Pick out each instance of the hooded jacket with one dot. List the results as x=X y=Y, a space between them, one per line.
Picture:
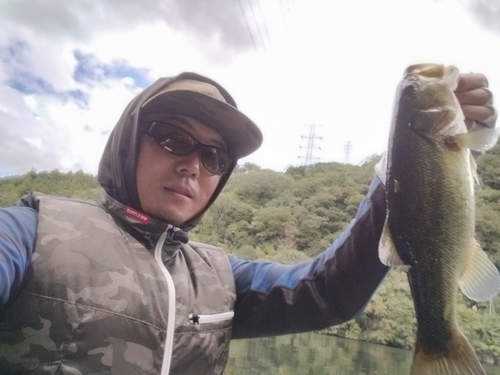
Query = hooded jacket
x=117 y=169
x=111 y=290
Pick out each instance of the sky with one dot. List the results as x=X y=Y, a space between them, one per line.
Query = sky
x=318 y=77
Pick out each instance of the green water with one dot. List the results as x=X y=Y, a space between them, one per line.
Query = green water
x=315 y=354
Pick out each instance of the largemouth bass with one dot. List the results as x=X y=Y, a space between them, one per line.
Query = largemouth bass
x=430 y=225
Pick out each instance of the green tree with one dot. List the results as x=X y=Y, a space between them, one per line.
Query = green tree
x=274 y=224
x=259 y=187
x=489 y=168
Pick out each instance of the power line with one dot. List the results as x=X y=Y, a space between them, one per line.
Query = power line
x=283 y=13
x=264 y=21
x=247 y=25
x=257 y=26
x=310 y=145
x=347 y=152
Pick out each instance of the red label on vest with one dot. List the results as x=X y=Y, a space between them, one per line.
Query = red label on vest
x=137 y=215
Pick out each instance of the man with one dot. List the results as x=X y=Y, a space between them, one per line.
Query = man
x=115 y=287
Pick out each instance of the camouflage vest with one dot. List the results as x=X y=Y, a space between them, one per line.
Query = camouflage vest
x=95 y=301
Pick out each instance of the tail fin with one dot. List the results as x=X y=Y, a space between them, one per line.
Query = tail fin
x=458 y=359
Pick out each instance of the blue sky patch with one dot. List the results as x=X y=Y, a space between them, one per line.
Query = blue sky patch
x=23 y=80
x=90 y=70
x=14 y=51
x=28 y=83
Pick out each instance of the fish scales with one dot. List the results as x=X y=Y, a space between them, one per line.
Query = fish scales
x=430 y=225
x=430 y=209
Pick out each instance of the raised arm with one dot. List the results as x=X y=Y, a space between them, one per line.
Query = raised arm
x=274 y=299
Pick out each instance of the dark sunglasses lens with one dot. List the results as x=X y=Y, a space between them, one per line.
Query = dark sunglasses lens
x=173 y=139
x=216 y=160
x=179 y=142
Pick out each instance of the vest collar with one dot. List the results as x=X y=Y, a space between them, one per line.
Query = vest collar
x=143 y=228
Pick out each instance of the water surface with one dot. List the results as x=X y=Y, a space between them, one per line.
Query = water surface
x=315 y=354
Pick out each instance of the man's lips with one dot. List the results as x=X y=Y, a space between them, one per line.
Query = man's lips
x=180 y=190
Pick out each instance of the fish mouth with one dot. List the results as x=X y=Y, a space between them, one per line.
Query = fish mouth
x=427 y=70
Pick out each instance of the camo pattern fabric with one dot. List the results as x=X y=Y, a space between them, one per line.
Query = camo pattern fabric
x=96 y=302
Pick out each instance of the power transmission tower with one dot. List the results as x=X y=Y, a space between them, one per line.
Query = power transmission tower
x=347 y=152
x=310 y=145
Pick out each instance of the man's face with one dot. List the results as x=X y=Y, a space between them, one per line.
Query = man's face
x=175 y=187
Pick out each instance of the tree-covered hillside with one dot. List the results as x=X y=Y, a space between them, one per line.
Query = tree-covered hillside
x=72 y=185
x=292 y=216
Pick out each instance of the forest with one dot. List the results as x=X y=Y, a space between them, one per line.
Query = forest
x=292 y=216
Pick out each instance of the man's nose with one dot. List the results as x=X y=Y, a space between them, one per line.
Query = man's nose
x=190 y=164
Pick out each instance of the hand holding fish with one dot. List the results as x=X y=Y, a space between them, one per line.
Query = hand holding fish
x=476 y=101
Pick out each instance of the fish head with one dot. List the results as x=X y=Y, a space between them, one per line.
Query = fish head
x=450 y=74
x=428 y=102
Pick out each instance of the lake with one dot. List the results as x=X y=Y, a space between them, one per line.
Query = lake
x=315 y=354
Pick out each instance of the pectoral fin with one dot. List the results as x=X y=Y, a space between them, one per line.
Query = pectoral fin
x=479 y=140
x=387 y=250
x=480 y=279
x=473 y=168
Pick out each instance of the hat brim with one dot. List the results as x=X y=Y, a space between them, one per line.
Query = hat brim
x=241 y=135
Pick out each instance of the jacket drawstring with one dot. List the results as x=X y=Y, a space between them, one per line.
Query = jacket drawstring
x=167 y=237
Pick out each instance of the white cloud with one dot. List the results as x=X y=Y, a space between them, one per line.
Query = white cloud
x=287 y=64
x=25 y=140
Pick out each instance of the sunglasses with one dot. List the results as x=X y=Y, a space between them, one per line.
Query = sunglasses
x=179 y=142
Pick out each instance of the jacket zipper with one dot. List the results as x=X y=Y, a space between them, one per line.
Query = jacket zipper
x=210 y=318
x=169 y=341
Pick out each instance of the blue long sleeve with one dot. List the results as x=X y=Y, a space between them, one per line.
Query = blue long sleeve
x=274 y=299
x=17 y=238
